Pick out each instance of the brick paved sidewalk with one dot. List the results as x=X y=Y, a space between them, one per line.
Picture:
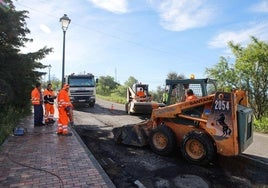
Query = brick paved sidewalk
x=41 y=158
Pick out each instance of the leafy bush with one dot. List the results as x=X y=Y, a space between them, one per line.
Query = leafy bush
x=113 y=98
x=9 y=118
x=261 y=125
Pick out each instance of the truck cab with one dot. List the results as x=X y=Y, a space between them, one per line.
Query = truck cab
x=82 y=89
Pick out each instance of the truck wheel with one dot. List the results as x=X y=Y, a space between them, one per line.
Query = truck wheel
x=91 y=105
x=162 y=140
x=197 y=148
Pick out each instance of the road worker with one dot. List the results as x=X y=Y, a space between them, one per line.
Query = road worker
x=165 y=97
x=37 y=102
x=185 y=89
x=140 y=93
x=65 y=106
x=190 y=95
x=49 y=97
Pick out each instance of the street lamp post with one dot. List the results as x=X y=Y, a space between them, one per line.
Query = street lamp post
x=49 y=67
x=65 y=21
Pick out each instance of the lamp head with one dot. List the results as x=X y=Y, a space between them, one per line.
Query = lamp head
x=65 y=21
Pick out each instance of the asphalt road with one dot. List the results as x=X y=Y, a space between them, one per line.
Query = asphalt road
x=140 y=167
x=259 y=148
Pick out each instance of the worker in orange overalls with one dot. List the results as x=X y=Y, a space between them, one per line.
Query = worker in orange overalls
x=49 y=97
x=140 y=93
x=65 y=106
x=37 y=102
x=190 y=95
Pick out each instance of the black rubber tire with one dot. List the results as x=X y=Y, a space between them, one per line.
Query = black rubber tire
x=198 y=148
x=162 y=140
x=126 y=107
x=91 y=105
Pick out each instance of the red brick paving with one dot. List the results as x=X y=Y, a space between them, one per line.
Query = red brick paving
x=41 y=158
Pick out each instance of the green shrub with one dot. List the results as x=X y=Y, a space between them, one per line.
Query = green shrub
x=113 y=98
x=9 y=118
x=261 y=125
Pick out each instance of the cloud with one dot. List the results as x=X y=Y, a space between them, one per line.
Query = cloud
x=115 y=6
x=241 y=36
x=45 y=28
x=260 y=7
x=180 y=15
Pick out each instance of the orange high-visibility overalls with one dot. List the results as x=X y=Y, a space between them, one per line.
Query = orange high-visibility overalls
x=37 y=102
x=49 y=97
x=191 y=97
x=63 y=103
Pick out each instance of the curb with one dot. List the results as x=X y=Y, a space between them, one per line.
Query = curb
x=94 y=161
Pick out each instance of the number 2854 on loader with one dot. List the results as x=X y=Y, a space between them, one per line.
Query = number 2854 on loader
x=216 y=122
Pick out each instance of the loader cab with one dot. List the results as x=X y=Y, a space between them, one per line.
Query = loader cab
x=141 y=88
x=177 y=89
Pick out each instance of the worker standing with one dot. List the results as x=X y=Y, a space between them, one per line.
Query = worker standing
x=49 y=97
x=37 y=102
x=190 y=95
x=185 y=89
x=65 y=106
x=165 y=97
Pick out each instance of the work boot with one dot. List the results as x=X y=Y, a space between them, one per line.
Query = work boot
x=68 y=134
x=72 y=124
x=39 y=124
x=51 y=121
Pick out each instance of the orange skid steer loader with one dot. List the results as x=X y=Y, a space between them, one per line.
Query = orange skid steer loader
x=215 y=122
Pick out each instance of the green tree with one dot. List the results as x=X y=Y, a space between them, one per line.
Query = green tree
x=157 y=95
x=120 y=91
x=224 y=73
x=131 y=80
x=119 y=94
x=175 y=76
x=172 y=76
x=106 y=85
x=18 y=72
x=249 y=72
x=13 y=27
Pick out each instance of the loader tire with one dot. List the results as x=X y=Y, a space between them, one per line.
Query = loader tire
x=127 y=108
x=162 y=140
x=198 y=148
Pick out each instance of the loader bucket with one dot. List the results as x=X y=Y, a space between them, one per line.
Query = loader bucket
x=146 y=107
x=133 y=135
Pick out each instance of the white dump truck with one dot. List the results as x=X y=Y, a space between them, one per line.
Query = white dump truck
x=82 y=89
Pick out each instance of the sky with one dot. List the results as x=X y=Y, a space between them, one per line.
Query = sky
x=145 y=39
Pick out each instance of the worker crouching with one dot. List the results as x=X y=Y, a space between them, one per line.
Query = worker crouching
x=65 y=111
x=49 y=97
